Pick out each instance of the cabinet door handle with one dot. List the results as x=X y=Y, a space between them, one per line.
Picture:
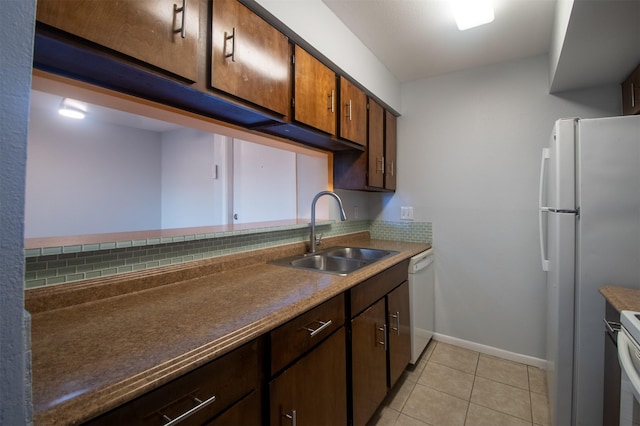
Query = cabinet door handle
x=331 y=97
x=293 y=417
x=633 y=96
x=186 y=414
x=381 y=168
x=231 y=37
x=384 y=334
x=183 y=29
x=323 y=325
x=391 y=168
x=396 y=316
x=349 y=110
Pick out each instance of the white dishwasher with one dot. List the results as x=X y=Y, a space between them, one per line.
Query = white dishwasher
x=421 y=293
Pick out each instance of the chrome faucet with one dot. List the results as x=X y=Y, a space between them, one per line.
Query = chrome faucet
x=343 y=216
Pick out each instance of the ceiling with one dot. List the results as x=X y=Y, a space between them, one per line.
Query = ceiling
x=417 y=39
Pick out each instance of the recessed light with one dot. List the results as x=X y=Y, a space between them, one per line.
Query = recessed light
x=472 y=13
x=72 y=108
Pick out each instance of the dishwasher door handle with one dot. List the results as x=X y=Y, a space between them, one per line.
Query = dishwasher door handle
x=612 y=326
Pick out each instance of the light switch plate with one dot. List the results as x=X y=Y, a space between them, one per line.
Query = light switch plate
x=406 y=213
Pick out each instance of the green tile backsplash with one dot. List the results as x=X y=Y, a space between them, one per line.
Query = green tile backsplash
x=56 y=265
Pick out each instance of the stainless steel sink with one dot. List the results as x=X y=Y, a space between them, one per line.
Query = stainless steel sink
x=358 y=253
x=335 y=260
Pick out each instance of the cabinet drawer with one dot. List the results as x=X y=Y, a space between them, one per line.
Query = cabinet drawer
x=245 y=412
x=368 y=292
x=228 y=379
x=294 y=338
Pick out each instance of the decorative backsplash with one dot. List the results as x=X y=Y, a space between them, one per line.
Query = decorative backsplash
x=56 y=265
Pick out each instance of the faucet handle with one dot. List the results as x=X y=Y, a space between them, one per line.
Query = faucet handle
x=318 y=239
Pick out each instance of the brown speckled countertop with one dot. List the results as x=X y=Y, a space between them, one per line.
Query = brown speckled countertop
x=100 y=343
x=623 y=299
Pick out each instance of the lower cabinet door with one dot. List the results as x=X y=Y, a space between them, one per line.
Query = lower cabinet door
x=369 y=362
x=245 y=412
x=399 y=333
x=313 y=391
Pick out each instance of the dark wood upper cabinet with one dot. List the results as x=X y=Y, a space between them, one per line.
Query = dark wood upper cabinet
x=250 y=59
x=398 y=304
x=353 y=112
x=376 y=145
x=631 y=93
x=162 y=33
x=375 y=168
x=390 y=150
x=314 y=92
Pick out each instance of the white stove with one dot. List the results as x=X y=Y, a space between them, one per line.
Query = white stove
x=629 y=357
x=631 y=322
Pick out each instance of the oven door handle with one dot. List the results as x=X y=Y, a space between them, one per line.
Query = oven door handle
x=624 y=346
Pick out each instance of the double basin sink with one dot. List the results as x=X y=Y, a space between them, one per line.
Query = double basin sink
x=335 y=260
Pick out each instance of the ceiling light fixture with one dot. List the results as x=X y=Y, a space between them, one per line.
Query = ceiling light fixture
x=472 y=13
x=72 y=108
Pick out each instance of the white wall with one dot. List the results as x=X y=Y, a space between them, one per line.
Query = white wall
x=312 y=175
x=469 y=148
x=317 y=25
x=86 y=176
x=560 y=24
x=264 y=183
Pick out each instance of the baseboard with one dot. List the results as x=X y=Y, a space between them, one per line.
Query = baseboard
x=490 y=350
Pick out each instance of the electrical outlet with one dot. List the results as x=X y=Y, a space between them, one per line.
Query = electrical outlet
x=406 y=213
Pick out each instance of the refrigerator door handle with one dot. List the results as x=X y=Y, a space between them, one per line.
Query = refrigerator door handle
x=543 y=209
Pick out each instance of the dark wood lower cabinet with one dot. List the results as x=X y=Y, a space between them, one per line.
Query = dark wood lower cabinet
x=229 y=379
x=314 y=389
x=246 y=412
x=369 y=362
x=399 y=333
x=612 y=371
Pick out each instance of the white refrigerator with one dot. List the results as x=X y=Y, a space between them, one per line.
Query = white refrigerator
x=589 y=237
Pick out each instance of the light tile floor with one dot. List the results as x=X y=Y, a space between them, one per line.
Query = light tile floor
x=454 y=386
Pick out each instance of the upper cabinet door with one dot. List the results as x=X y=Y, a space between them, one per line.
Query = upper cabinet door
x=315 y=92
x=250 y=58
x=376 y=145
x=353 y=113
x=162 y=33
x=631 y=93
x=390 y=145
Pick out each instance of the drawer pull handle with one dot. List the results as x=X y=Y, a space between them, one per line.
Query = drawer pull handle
x=323 y=325
x=293 y=417
x=181 y=417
